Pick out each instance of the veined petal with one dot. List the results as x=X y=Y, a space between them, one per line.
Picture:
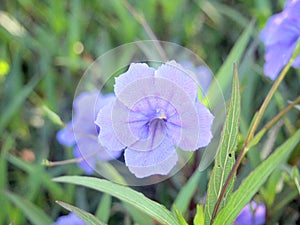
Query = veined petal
x=179 y=75
x=166 y=90
x=195 y=129
x=160 y=160
x=136 y=71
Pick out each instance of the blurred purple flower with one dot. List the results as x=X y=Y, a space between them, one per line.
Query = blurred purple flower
x=70 y=219
x=280 y=37
x=153 y=112
x=252 y=214
x=82 y=132
x=203 y=75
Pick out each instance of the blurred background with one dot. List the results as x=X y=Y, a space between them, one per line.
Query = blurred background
x=45 y=47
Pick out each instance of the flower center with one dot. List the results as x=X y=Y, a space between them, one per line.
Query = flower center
x=160 y=114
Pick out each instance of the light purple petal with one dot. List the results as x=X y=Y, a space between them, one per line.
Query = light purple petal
x=195 y=130
x=179 y=75
x=70 y=219
x=91 y=151
x=135 y=72
x=280 y=36
x=87 y=167
x=296 y=63
x=107 y=136
x=158 y=161
x=252 y=214
x=272 y=26
x=164 y=89
x=276 y=57
x=85 y=106
x=202 y=74
x=204 y=77
x=66 y=136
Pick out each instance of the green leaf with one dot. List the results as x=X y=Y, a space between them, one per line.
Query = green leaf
x=8 y=144
x=254 y=181
x=126 y=194
x=103 y=210
x=14 y=105
x=235 y=55
x=88 y=218
x=180 y=217
x=138 y=216
x=199 y=217
x=186 y=193
x=32 y=212
x=225 y=154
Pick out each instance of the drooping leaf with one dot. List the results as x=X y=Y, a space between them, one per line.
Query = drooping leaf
x=255 y=180
x=88 y=218
x=31 y=211
x=126 y=194
x=225 y=154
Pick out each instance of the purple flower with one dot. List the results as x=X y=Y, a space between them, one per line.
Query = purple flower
x=82 y=132
x=252 y=214
x=70 y=219
x=203 y=75
x=153 y=112
x=280 y=37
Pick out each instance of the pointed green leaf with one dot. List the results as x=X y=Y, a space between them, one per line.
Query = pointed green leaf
x=34 y=214
x=126 y=194
x=199 y=217
x=225 y=155
x=88 y=218
x=254 y=181
x=180 y=217
x=103 y=210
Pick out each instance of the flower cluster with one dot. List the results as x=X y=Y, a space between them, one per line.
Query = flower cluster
x=82 y=132
x=252 y=214
x=154 y=112
x=280 y=37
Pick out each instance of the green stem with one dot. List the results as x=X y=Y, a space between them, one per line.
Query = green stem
x=277 y=118
x=250 y=135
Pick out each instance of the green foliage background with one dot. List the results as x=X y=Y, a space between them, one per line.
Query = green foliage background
x=45 y=47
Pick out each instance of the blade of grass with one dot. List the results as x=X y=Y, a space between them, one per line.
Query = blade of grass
x=15 y=104
x=186 y=193
x=32 y=212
